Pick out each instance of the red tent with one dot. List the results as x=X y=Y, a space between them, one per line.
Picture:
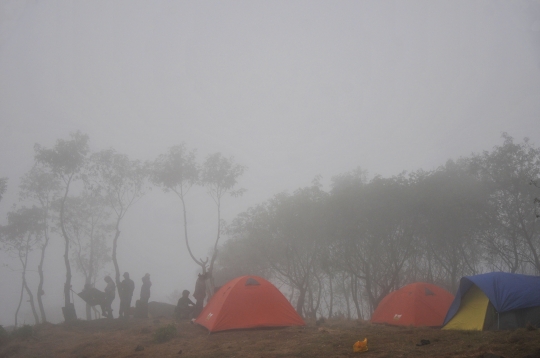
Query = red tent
x=417 y=304
x=248 y=302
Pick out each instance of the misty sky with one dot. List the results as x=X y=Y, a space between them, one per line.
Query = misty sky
x=291 y=89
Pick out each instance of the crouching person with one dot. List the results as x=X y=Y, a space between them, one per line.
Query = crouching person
x=184 y=308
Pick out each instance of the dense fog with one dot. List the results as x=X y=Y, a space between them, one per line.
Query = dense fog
x=338 y=128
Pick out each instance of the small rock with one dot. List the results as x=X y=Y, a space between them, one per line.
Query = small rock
x=179 y=352
x=139 y=348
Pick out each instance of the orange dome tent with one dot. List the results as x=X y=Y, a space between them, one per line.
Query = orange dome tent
x=248 y=302
x=417 y=304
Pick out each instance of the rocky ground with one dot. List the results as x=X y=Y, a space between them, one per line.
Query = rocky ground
x=165 y=337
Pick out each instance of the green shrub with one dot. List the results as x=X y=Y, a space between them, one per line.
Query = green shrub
x=165 y=333
x=24 y=332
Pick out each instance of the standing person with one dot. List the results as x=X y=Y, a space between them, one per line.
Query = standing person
x=199 y=294
x=127 y=286
x=106 y=308
x=145 y=296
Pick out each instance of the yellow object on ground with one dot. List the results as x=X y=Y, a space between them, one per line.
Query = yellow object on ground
x=360 y=346
x=472 y=311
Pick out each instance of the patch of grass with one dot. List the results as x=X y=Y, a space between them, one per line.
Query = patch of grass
x=24 y=332
x=109 y=339
x=165 y=333
x=11 y=350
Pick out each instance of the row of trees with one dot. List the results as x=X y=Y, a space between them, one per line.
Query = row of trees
x=83 y=197
x=336 y=251
x=344 y=250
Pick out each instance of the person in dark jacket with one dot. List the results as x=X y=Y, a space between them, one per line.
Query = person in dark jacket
x=145 y=288
x=106 y=308
x=199 y=294
x=142 y=303
x=127 y=286
x=185 y=306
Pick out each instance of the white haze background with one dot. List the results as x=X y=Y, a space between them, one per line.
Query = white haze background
x=291 y=89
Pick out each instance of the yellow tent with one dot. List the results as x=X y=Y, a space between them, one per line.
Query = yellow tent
x=495 y=300
x=472 y=312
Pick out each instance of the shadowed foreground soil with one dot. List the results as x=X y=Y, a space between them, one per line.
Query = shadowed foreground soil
x=135 y=338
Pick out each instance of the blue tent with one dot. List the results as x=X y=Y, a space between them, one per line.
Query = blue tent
x=501 y=300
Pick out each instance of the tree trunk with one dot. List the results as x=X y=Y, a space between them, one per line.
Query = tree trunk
x=31 y=300
x=184 y=216
x=67 y=284
x=515 y=253
x=40 y=291
x=319 y=294
x=348 y=306
x=20 y=301
x=354 y=294
x=206 y=276
x=69 y=309
x=291 y=296
x=87 y=283
x=115 y=261
x=309 y=310
x=371 y=297
x=300 y=302
x=211 y=283
x=330 y=311
x=89 y=276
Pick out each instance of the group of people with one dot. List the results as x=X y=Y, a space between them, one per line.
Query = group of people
x=125 y=290
x=185 y=309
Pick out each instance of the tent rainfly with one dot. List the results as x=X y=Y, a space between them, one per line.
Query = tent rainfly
x=416 y=304
x=495 y=300
x=248 y=302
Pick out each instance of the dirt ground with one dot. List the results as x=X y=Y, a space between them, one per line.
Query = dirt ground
x=137 y=338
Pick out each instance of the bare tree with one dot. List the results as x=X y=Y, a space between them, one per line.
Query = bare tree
x=65 y=160
x=374 y=224
x=507 y=171
x=288 y=233
x=21 y=236
x=177 y=171
x=219 y=175
x=42 y=188
x=452 y=207
x=121 y=181
x=88 y=224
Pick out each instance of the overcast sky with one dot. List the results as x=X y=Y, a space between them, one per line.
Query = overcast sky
x=290 y=89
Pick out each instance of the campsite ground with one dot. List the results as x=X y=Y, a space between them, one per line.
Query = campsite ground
x=136 y=338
